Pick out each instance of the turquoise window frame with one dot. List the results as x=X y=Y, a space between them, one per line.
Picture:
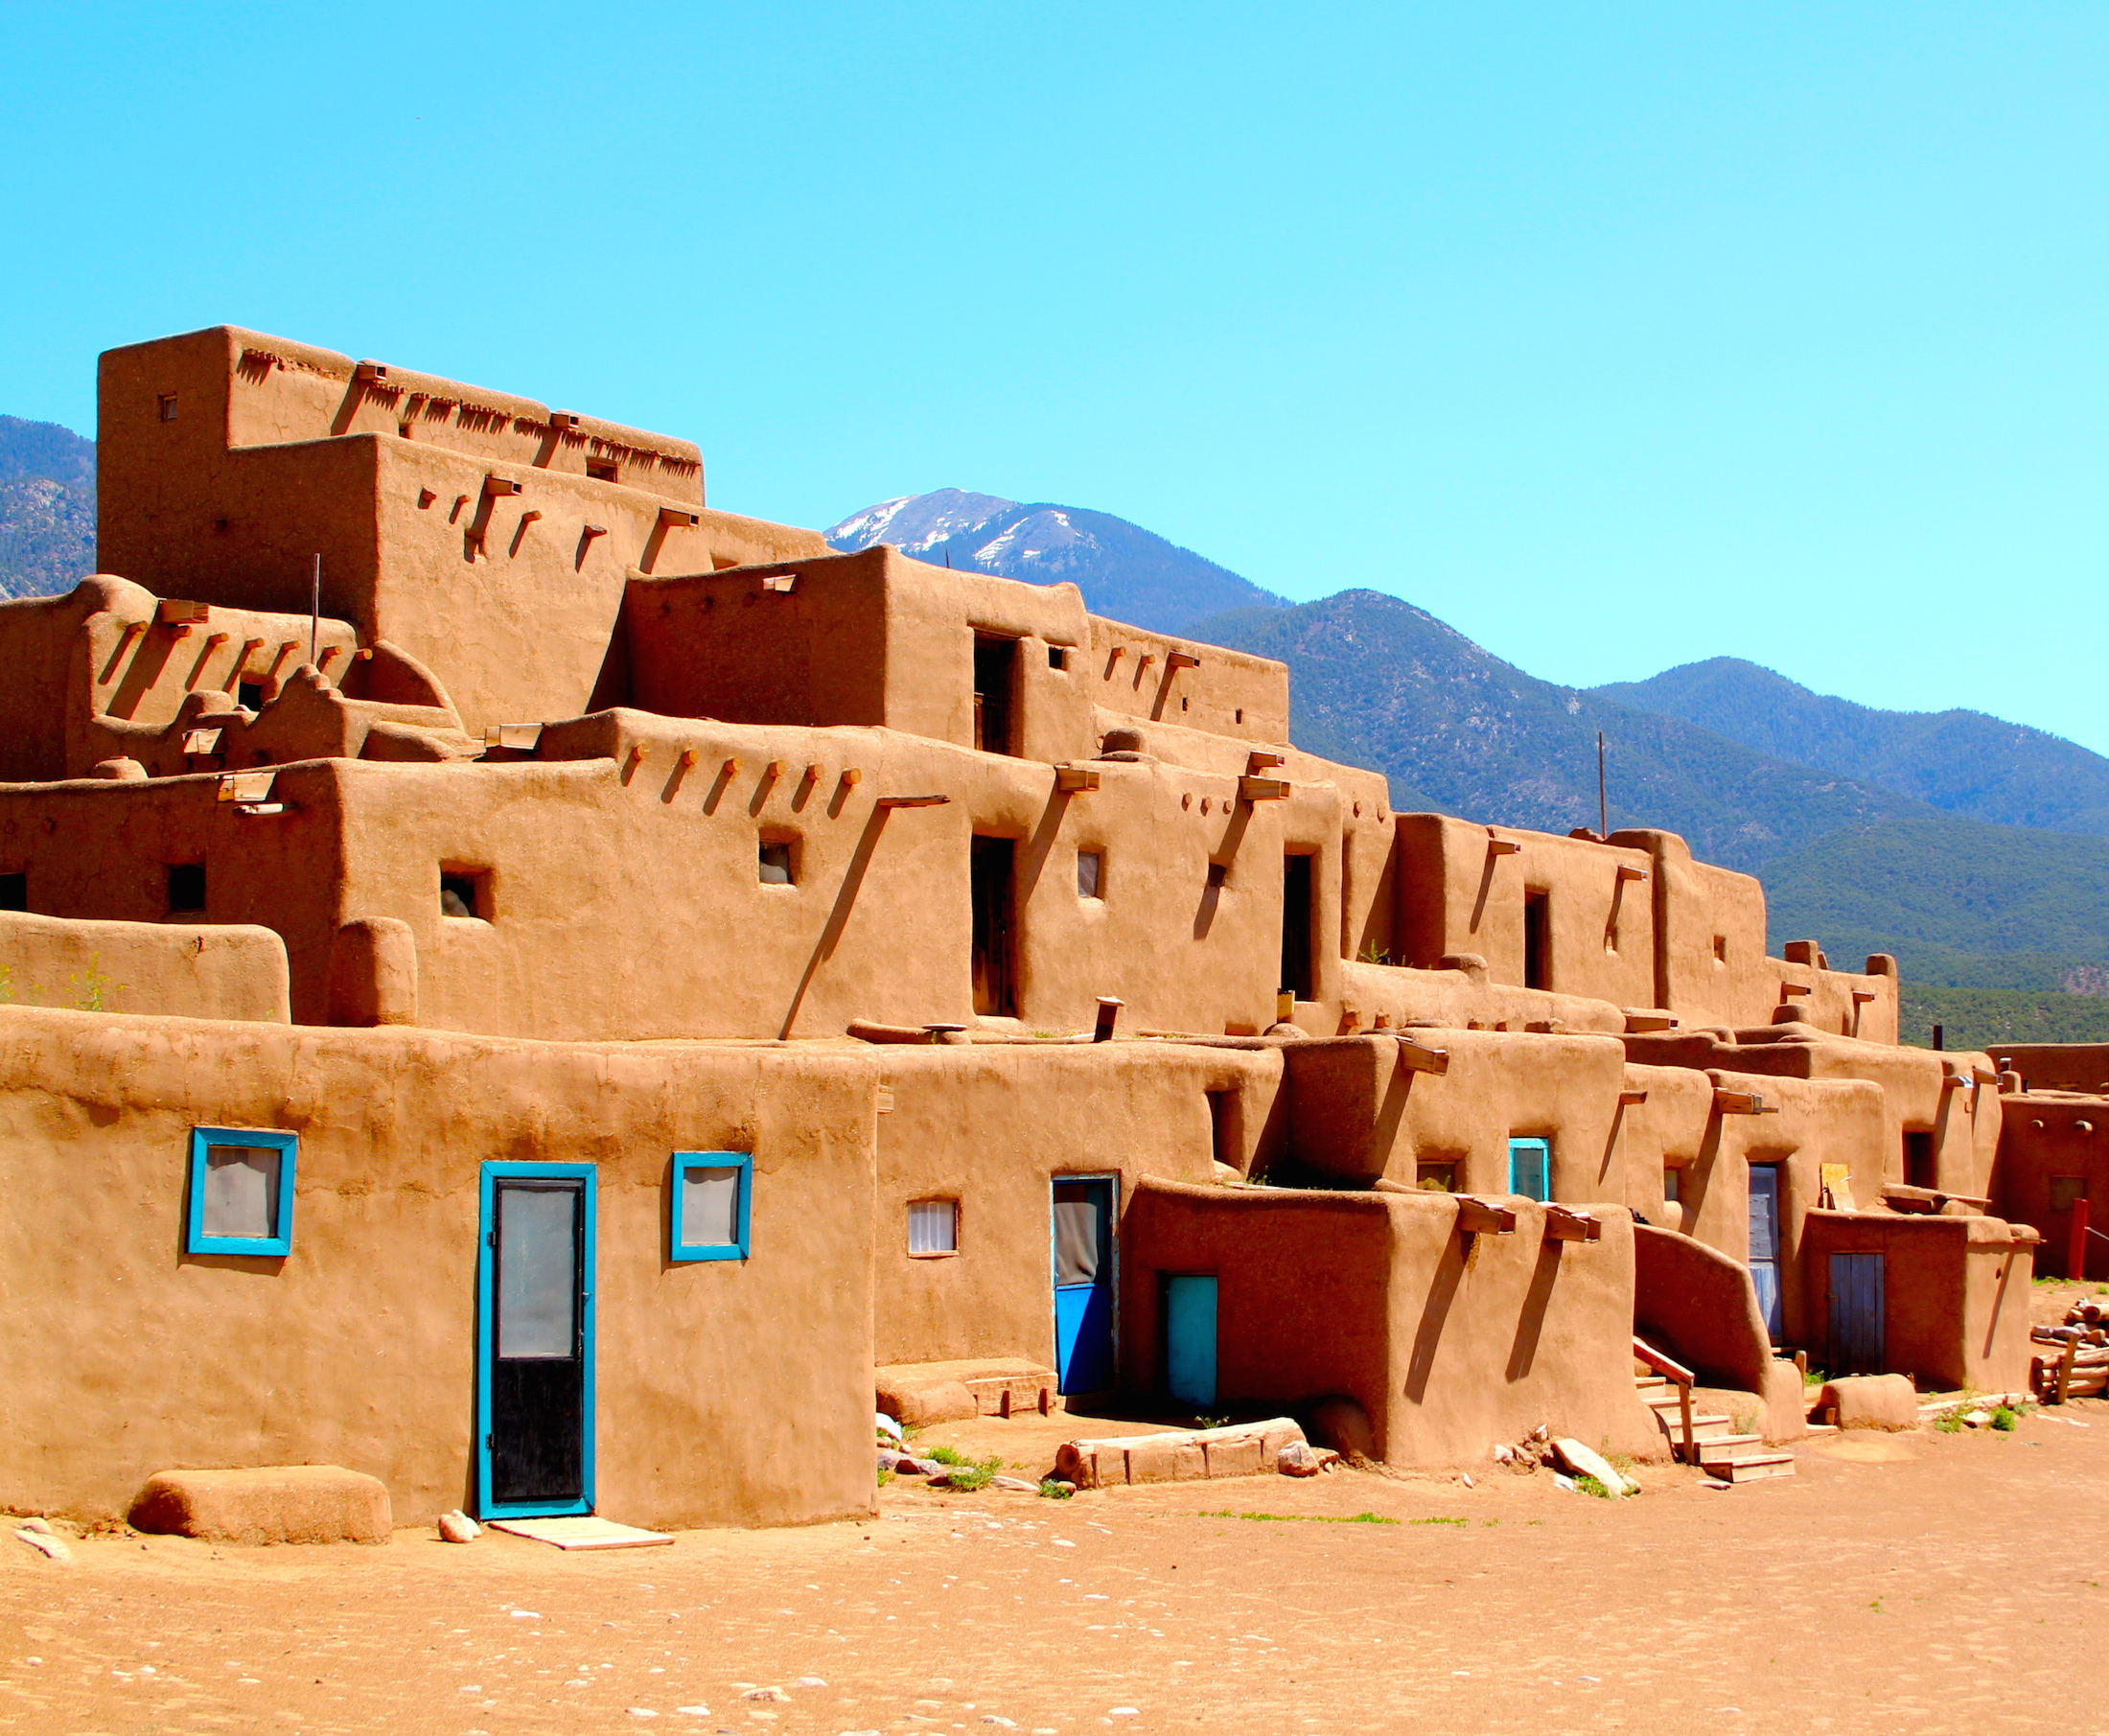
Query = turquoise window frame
x=274 y=1246
x=588 y=1176
x=1541 y=1149
x=685 y=1252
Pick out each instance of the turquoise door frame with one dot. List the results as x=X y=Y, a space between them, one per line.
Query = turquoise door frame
x=1530 y=1167
x=587 y=1178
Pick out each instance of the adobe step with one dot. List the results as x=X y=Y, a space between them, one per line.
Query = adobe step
x=1752 y=1467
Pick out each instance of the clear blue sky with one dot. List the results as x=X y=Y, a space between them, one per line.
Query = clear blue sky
x=1617 y=336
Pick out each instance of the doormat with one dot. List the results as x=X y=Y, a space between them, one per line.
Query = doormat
x=583 y=1532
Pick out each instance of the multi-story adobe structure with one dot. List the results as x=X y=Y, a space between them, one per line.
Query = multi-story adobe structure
x=536 y=988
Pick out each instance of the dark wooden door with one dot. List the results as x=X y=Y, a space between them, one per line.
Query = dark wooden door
x=1857 y=1338
x=991 y=875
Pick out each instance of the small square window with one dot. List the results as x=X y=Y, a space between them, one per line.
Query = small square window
x=777 y=867
x=1436 y=1178
x=463 y=893
x=249 y=696
x=1058 y=657
x=933 y=1226
x=168 y=407
x=603 y=469
x=186 y=888
x=241 y=1192
x=708 y=1216
x=2067 y=1191
x=1219 y=874
x=1721 y=949
x=1673 y=1183
x=1090 y=873
x=14 y=891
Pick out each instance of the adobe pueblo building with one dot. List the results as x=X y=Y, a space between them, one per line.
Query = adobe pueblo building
x=547 y=993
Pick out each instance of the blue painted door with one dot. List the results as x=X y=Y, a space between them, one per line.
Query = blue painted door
x=1857 y=1344
x=535 y=1340
x=1530 y=1167
x=1083 y=1283
x=1765 y=1242
x=1189 y=1339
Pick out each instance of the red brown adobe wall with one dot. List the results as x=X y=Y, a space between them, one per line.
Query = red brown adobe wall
x=1954 y=1293
x=2053 y=1150
x=1449 y=1341
x=2056 y=1066
x=730 y=1392
x=990 y=1127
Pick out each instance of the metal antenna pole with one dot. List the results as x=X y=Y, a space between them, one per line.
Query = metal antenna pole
x=1603 y=805
x=314 y=613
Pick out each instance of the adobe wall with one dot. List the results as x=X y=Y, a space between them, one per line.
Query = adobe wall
x=1130 y=674
x=1954 y=1293
x=1449 y=1341
x=509 y=596
x=1923 y=1091
x=992 y=1126
x=729 y=1391
x=2049 y=1139
x=1462 y=889
x=2056 y=1066
x=180 y=970
x=101 y=851
x=1710 y=965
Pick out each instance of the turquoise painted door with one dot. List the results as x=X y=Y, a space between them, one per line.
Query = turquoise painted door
x=1189 y=1339
x=1083 y=1238
x=1530 y=1167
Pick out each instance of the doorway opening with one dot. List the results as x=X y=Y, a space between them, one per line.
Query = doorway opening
x=1296 y=919
x=995 y=682
x=1921 y=1169
x=1536 y=940
x=992 y=878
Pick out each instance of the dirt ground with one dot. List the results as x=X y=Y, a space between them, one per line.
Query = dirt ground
x=1921 y=1583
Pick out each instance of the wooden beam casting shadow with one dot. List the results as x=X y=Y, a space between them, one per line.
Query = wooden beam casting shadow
x=1435 y=1309
x=838 y=918
x=1531 y=1323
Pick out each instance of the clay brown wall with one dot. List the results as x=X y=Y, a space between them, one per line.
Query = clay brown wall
x=2056 y=1066
x=990 y=1125
x=1955 y=1294
x=101 y=850
x=729 y=1393
x=1464 y=1000
x=1231 y=693
x=2044 y=1137
x=1450 y=1342
x=1699 y=1306
x=184 y=970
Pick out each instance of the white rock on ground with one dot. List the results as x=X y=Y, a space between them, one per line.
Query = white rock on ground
x=44 y=1543
x=458 y=1527
x=1299 y=1459
x=1587 y=1462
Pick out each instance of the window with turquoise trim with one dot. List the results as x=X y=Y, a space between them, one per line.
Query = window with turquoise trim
x=1530 y=1167
x=241 y=1192
x=712 y=1198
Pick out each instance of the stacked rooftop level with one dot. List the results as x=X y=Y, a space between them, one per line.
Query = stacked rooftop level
x=440 y=812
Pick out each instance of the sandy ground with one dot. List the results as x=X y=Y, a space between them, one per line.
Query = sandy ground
x=1921 y=1583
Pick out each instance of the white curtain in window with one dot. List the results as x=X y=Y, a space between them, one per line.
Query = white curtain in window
x=933 y=1226
x=241 y=1190
x=709 y=1207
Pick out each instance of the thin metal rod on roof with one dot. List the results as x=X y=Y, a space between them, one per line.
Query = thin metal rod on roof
x=1603 y=803
x=314 y=612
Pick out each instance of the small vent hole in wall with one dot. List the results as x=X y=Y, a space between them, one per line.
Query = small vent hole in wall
x=168 y=407
x=14 y=891
x=776 y=864
x=250 y=695
x=602 y=470
x=1090 y=873
x=1057 y=658
x=1721 y=949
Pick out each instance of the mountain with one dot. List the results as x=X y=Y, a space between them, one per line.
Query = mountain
x=47 y=508
x=1380 y=682
x=1962 y=761
x=1123 y=569
x=1962 y=902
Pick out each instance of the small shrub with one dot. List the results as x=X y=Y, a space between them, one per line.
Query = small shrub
x=1814 y=1376
x=1210 y=1421
x=969 y=1474
x=2005 y=1417
x=1051 y=1490
x=886 y=1476
x=1949 y=1422
x=948 y=1455
x=1588 y=1484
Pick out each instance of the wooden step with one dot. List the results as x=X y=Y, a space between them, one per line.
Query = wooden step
x=1716 y=1450
x=1752 y=1467
x=1703 y=1428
